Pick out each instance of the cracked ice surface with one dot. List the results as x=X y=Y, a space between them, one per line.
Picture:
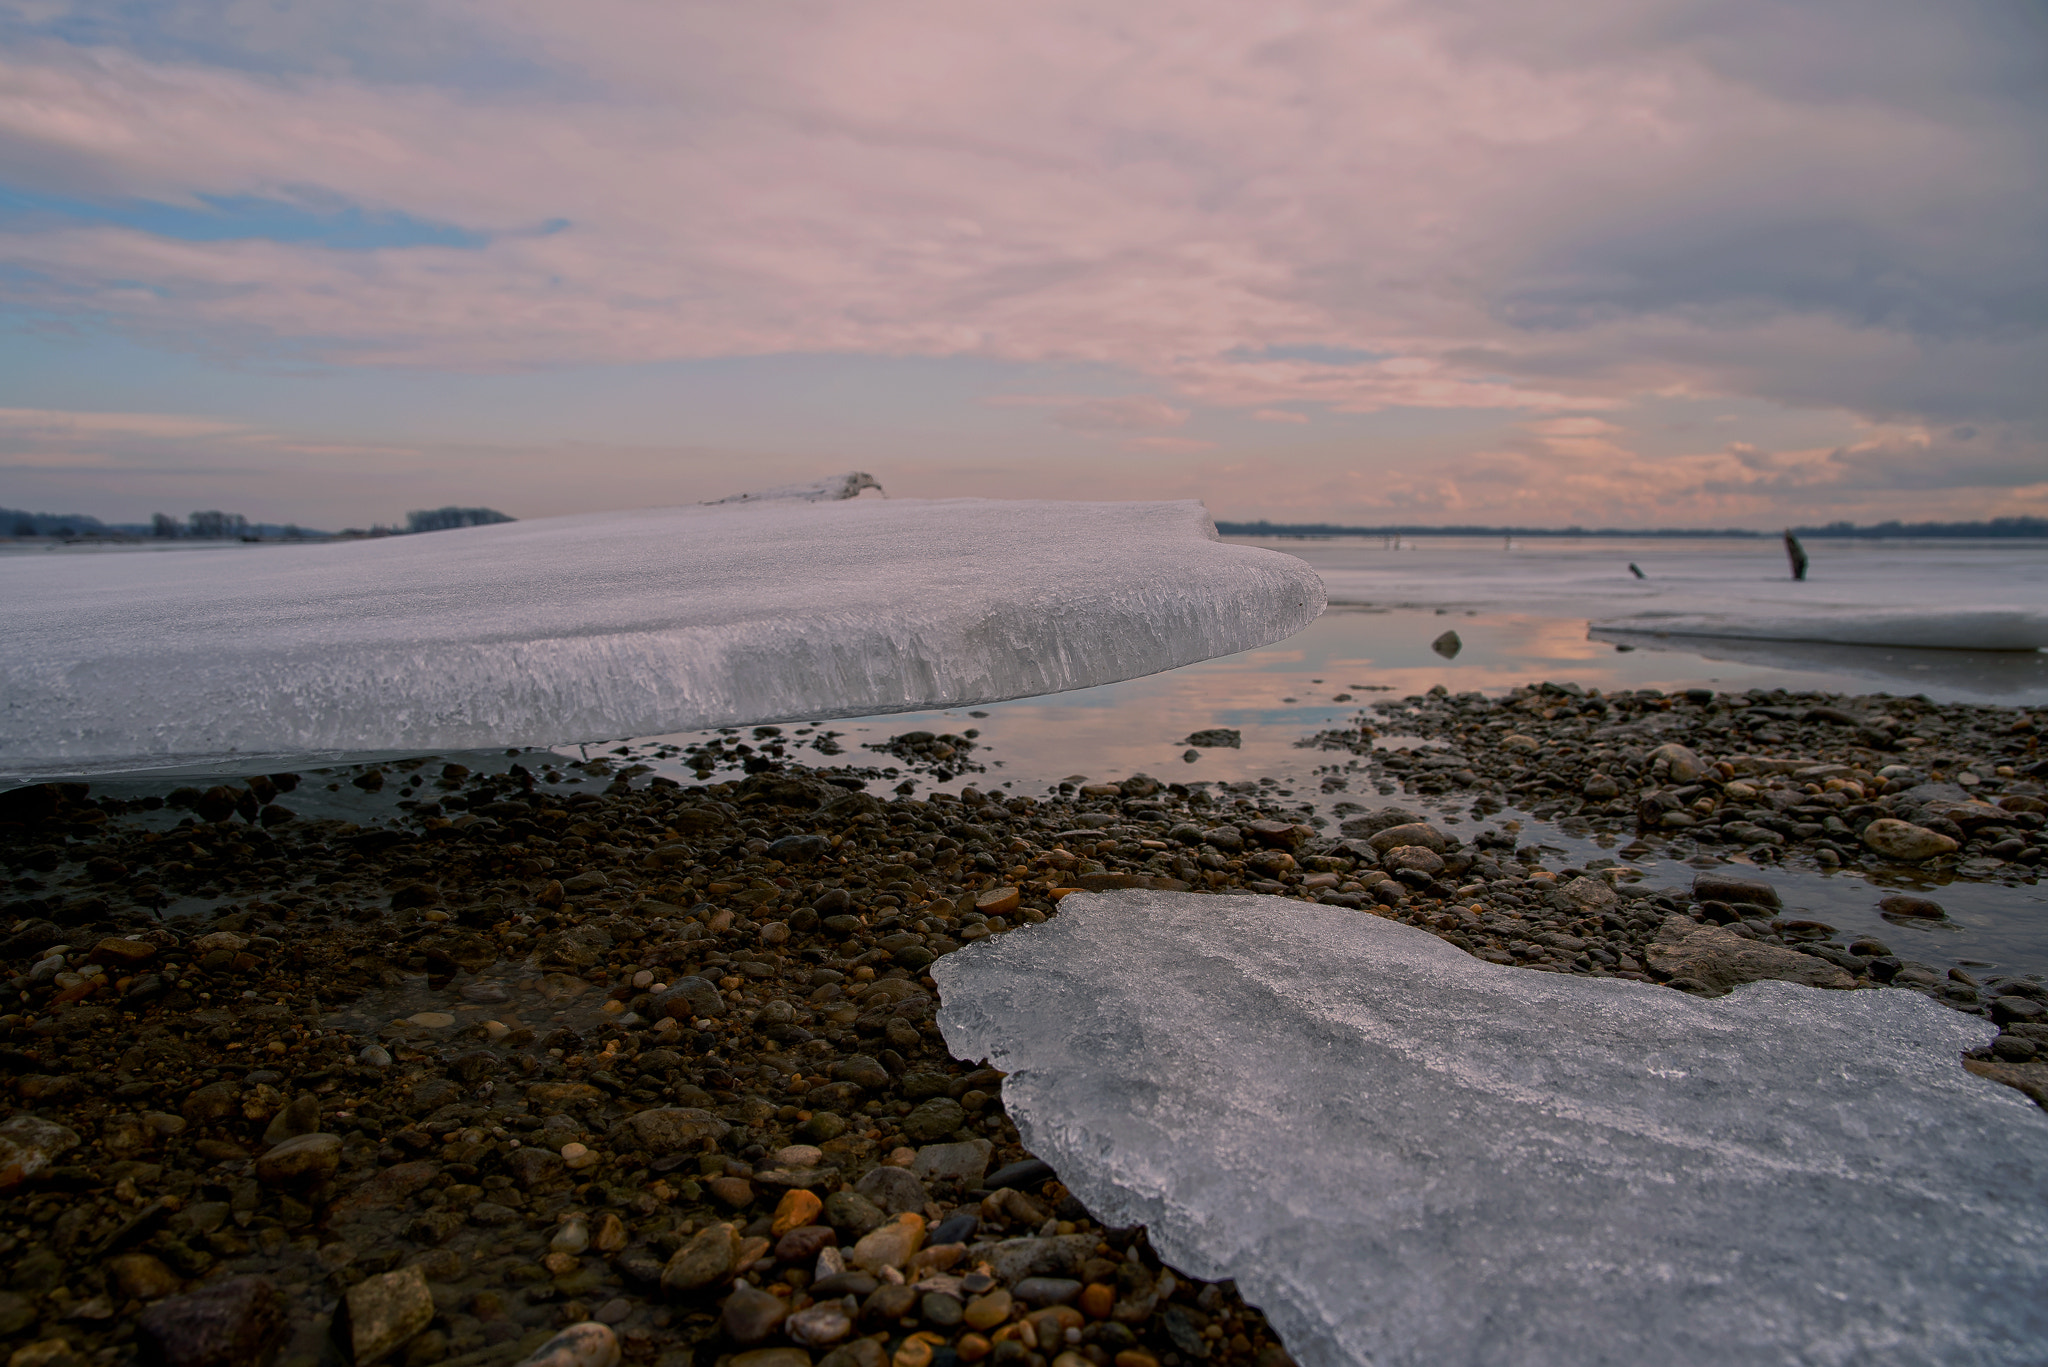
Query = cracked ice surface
x=615 y=624
x=1406 y=1155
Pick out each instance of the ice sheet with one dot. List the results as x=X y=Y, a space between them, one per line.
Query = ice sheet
x=1406 y=1155
x=1943 y=594
x=616 y=624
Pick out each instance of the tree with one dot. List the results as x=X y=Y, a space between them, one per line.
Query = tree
x=216 y=525
x=444 y=519
x=164 y=525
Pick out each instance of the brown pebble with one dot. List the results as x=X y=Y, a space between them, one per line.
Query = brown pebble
x=796 y=1209
x=986 y=1312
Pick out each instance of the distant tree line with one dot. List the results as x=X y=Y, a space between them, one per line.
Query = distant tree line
x=1997 y=527
x=212 y=524
x=447 y=519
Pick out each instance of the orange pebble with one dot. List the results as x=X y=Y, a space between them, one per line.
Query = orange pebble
x=1136 y=1357
x=1097 y=1300
x=973 y=1347
x=796 y=1209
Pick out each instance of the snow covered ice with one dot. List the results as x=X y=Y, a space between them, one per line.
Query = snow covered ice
x=615 y=624
x=1957 y=595
x=1406 y=1155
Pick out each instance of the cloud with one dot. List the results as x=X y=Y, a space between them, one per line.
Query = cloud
x=1460 y=205
x=1132 y=413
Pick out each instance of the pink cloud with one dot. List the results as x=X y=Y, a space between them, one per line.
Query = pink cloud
x=1199 y=194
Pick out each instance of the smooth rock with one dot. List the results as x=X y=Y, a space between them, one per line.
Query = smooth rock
x=1679 y=762
x=300 y=1161
x=851 y=1213
x=1419 y=858
x=238 y=1322
x=933 y=1119
x=142 y=1277
x=750 y=1314
x=893 y=1190
x=795 y=1210
x=1413 y=833
x=28 y=1145
x=379 y=1314
x=672 y=1129
x=691 y=996
x=963 y=1162
x=861 y=1071
x=704 y=1261
x=1720 y=959
x=889 y=1245
x=1591 y=894
x=1918 y=907
x=1902 y=840
x=589 y=1344
x=302 y=1117
x=1047 y=1290
x=819 y=1325
x=805 y=1242
x=1055 y=1255
x=1734 y=889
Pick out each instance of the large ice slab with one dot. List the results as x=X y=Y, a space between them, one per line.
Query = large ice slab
x=616 y=624
x=1953 y=595
x=1406 y=1155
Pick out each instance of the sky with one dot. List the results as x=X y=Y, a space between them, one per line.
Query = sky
x=1614 y=263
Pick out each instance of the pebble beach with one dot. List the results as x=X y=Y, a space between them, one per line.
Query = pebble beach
x=573 y=1061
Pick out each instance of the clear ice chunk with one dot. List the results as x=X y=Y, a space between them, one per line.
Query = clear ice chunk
x=595 y=627
x=1406 y=1155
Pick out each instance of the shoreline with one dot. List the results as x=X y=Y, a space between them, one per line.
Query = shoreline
x=429 y=1060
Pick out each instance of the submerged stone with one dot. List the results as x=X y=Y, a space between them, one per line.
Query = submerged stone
x=1408 y=1155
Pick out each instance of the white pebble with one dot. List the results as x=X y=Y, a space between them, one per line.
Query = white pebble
x=643 y=979
x=375 y=1056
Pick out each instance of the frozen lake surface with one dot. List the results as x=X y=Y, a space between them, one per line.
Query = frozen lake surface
x=580 y=628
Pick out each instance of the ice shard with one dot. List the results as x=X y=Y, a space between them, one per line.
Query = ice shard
x=617 y=624
x=1406 y=1155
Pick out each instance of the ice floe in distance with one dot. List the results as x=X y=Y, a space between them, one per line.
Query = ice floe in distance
x=1957 y=629
x=593 y=627
x=1408 y=1156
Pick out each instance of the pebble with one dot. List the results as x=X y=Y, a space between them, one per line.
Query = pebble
x=750 y=1314
x=820 y=1325
x=1902 y=840
x=988 y=1310
x=300 y=1161
x=379 y=1314
x=142 y=1277
x=891 y=1245
x=580 y=1345
x=707 y=1258
x=796 y=1209
x=28 y=1145
x=237 y=1322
